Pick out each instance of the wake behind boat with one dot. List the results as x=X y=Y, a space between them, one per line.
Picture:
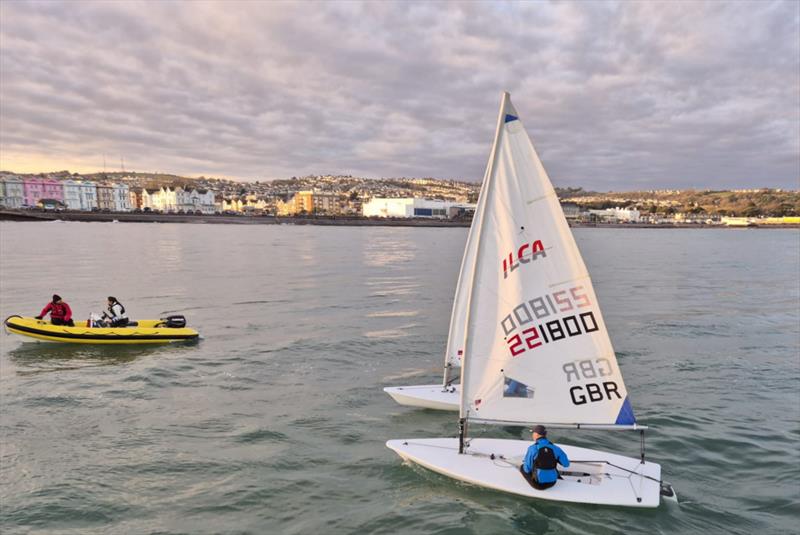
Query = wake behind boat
x=536 y=349
x=160 y=331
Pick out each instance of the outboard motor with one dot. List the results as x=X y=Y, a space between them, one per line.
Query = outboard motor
x=174 y=322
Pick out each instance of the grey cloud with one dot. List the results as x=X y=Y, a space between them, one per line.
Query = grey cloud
x=615 y=95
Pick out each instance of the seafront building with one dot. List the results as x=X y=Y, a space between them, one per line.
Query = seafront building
x=135 y=199
x=159 y=200
x=413 y=207
x=36 y=189
x=33 y=190
x=230 y=204
x=311 y=202
x=121 y=196
x=195 y=200
x=616 y=215
x=13 y=192
x=105 y=197
x=572 y=211
x=80 y=195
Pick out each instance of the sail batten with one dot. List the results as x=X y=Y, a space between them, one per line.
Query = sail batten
x=535 y=345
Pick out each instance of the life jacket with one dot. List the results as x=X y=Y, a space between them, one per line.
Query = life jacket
x=121 y=310
x=545 y=459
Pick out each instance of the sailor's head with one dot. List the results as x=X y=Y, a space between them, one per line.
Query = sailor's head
x=538 y=432
x=56 y=298
x=111 y=300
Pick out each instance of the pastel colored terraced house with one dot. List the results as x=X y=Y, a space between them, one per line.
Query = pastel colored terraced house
x=36 y=189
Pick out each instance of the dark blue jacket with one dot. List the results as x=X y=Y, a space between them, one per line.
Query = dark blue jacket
x=544 y=476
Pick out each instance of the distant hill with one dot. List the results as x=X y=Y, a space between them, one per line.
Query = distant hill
x=742 y=203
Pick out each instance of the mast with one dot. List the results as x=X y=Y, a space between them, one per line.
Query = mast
x=478 y=226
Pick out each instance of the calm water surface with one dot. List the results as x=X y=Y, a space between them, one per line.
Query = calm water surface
x=276 y=422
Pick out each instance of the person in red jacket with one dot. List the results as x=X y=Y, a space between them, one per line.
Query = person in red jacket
x=60 y=313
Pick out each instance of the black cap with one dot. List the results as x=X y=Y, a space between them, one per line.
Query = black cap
x=112 y=298
x=56 y=298
x=540 y=430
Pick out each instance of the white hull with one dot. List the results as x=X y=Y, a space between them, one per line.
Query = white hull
x=427 y=396
x=597 y=481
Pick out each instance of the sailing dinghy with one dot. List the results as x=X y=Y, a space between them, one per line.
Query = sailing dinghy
x=447 y=395
x=536 y=349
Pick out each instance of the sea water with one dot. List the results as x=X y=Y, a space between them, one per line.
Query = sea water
x=276 y=421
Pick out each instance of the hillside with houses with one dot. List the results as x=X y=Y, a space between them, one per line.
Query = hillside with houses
x=328 y=195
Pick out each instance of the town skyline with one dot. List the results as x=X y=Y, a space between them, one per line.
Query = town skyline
x=347 y=195
x=254 y=180
x=616 y=95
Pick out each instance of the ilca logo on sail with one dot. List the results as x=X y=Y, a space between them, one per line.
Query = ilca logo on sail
x=526 y=253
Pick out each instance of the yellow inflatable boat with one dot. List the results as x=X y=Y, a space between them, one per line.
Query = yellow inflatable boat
x=161 y=331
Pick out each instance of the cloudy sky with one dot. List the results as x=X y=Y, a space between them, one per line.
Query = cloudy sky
x=616 y=95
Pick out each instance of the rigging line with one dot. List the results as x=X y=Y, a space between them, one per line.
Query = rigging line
x=411 y=443
x=633 y=489
x=632 y=472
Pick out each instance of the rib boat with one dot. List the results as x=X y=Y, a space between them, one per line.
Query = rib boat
x=158 y=331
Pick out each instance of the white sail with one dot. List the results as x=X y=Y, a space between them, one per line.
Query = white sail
x=458 y=318
x=536 y=347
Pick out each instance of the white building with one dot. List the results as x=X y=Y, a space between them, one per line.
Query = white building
x=122 y=198
x=72 y=195
x=80 y=195
x=408 y=207
x=88 y=194
x=194 y=200
x=13 y=192
x=161 y=199
x=624 y=215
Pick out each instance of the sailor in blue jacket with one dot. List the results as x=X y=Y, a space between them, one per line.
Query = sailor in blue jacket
x=539 y=467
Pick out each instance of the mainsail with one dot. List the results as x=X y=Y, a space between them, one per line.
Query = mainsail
x=536 y=347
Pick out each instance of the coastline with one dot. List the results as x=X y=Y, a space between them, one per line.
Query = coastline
x=129 y=217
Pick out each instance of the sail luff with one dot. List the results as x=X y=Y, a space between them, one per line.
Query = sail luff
x=477 y=230
x=455 y=335
x=458 y=316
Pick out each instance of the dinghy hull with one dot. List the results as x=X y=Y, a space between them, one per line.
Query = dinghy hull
x=593 y=477
x=427 y=396
x=145 y=332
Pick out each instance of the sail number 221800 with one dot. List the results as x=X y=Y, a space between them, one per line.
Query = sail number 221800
x=528 y=327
